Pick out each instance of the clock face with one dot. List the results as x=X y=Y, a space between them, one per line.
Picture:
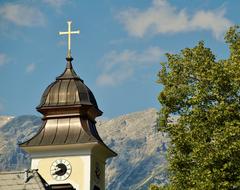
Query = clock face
x=61 y=169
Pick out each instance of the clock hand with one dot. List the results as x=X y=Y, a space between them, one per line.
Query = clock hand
x=57 y=170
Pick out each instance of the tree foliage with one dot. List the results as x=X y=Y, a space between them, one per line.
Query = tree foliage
x=205 y=94
x=156 y=187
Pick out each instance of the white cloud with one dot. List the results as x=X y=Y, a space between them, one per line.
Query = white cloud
x=114 y=78
x=22 y=15
x=56 y=4
x=117 y=67
x=118 y=41
x=211 y=20
x=3 y=59
x=161 y=18
x=30 y=68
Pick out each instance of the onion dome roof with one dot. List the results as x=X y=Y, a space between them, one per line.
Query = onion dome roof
x=69 y=109
x=68 y=90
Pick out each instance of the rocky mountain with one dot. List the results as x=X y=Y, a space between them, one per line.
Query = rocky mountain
x=141 y=148
x=4 y=120
x=16 y=130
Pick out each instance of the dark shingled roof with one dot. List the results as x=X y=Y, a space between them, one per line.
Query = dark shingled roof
x=16 y=180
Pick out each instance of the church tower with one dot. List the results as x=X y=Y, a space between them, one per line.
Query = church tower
x=67 y=150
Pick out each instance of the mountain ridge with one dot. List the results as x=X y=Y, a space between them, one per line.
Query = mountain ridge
x=5 y=119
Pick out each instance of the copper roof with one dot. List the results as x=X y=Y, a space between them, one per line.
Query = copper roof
x=68 y=90
x=69 y=108
x=61 y=131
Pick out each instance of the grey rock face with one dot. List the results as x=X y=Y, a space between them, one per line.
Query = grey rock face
x=141 y=148
x=5 y=119
x=12 y=133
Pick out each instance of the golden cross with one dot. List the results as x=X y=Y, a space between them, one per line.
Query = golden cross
x=69 y=32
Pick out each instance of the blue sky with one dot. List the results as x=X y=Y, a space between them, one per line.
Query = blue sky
x=117 y=52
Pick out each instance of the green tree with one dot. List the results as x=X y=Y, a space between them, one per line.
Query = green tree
x=205 y=95
x=155 y=187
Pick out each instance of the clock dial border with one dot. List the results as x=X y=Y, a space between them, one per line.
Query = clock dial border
x=54 y=169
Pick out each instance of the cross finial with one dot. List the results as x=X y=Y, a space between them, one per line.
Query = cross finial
x=69 y=32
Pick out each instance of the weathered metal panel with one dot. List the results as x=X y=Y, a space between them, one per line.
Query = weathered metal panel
x=71 y=93
x=62 y=131
x=50 y=131
x=62 y=93
x=75 y=131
